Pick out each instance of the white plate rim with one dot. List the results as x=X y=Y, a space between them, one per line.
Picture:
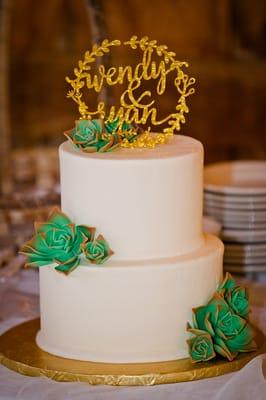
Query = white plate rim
x=244 y=268
x=231 y=189
x=234 y=205
x=235 y=214
x=243 y=236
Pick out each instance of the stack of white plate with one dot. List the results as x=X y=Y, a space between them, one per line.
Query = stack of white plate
x=235 y=195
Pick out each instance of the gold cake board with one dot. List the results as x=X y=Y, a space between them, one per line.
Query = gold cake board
x=19 y=352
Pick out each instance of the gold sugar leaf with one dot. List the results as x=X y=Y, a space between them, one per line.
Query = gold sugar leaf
x=115 y=43
x=191 y=91
x=191 y=81
x=76 y=71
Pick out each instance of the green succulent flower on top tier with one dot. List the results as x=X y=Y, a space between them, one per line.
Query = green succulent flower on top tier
x=230 y=333
x=127 y=131
x=112 y=127
x=57 y=241
x=90 y=136
x=235 y=296
x=97 y=251
x=86 y=134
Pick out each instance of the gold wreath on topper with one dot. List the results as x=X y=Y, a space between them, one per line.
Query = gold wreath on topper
x=156 y=64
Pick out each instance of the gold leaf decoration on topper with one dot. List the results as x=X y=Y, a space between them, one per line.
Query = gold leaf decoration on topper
x=137 y=109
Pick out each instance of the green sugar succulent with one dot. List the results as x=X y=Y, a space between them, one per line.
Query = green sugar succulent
x=235 y=295
x=90 y=136
x=94 y=135
x=224 y=319
x=200 y=346
x=97 y=251
x=61 y=242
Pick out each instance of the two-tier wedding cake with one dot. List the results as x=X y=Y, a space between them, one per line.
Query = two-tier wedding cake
x=147 y=287
x=135 y=307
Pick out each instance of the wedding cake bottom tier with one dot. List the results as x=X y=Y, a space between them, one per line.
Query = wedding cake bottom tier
x=125 y=312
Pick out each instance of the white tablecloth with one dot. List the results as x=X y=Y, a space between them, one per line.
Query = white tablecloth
x=20 y=302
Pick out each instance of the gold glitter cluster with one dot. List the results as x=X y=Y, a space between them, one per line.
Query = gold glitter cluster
x=134 y=109
x=146 y=140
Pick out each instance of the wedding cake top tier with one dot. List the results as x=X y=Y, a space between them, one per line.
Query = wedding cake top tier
x=148 y=202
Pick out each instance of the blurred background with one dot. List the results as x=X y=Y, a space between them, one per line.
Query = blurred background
x=224 y=42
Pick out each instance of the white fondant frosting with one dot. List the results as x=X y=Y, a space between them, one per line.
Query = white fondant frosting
x=124 y=314
x=146 y=202
x=134 y=308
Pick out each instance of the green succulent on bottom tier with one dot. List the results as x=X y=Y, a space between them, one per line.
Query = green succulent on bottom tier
x=200 y=346
x=230 y=332
x=236 y=296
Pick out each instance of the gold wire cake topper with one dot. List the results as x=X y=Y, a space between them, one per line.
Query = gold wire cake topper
x=138 y=109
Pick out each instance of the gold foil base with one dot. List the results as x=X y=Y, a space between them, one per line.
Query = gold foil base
x=19 y=352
